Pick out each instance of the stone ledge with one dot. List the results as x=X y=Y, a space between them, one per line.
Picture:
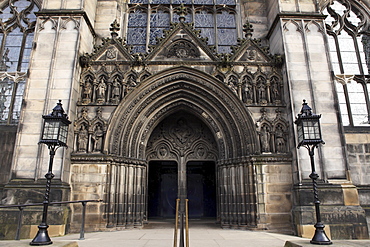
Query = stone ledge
x=336 y=243
x=24 y=243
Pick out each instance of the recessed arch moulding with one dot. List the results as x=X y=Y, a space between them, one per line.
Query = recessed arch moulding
x=189 y=90
x=172 y=92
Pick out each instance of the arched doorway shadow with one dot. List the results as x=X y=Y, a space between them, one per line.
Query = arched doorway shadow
x=162 y=189
x=201 y=189
x=188 y=142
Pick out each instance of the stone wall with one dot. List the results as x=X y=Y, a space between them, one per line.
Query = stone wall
x=274 y=194
x=89 y=182
x=358 y=148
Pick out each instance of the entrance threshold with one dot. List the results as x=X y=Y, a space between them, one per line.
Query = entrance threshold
x=161 y=223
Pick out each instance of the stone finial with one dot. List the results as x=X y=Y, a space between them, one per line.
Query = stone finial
x=115 y=27
x=181 y=11
x=248 y=29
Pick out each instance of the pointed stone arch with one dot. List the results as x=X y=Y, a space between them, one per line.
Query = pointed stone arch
x=188 y=89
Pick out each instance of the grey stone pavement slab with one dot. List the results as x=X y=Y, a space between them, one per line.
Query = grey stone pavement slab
x=201 y=235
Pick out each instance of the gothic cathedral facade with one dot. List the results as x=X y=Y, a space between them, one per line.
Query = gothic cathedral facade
x=189 y=99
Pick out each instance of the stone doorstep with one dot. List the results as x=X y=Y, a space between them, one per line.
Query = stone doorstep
x=336 y=243
x=26 y=243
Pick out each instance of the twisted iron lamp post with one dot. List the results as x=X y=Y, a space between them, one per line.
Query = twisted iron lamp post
x=54 y=135
x=309 y=136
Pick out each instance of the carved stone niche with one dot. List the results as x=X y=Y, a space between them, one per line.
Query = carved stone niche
x=183 y=48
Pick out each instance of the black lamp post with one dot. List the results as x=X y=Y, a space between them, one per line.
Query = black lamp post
x=309 y=136
x=54 y=135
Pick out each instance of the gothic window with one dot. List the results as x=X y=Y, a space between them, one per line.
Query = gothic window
x=17 y=24
x=159 y=20
x=136 y=33
x=215 y=18
x=348 y=35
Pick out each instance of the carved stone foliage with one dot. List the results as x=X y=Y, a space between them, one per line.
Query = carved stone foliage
x=90 y=133
x=273 y=133
x=181 y=135
x=183 y=49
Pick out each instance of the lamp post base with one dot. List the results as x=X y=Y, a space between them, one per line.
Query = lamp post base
x=320 y=237
x=42 y=237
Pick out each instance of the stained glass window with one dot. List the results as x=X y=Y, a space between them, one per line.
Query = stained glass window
x=136 y=34
x=17 y=24
x=216 y=19
x=159 y=20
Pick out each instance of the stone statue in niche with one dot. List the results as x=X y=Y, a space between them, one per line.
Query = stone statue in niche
x=98 y=139
x=116 y=91
x=280 y=141
x=101 y=91
x=82 y=139
x=131 y=82
x=233 y=84
x=265 y=139
x=87 y=90
x=275 y=91
x=248 y=93
x=262 y=96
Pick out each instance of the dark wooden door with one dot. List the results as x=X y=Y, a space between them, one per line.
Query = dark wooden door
x=201 y=188
x=162 y=189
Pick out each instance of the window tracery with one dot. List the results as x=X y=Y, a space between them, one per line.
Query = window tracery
x=348 y=30
x=17 y=24
x=215 y=19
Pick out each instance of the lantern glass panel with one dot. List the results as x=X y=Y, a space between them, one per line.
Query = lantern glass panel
x=50 y=130
x=311 y=130
x=63 y=133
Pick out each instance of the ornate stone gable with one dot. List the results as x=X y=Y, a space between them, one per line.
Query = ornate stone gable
x=181 y=43
x=112 y=49
x=184 y=42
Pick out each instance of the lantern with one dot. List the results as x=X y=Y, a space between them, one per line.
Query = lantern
x=308 y=127
x=55 y=127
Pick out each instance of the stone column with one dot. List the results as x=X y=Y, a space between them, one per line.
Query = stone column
x=237 y=204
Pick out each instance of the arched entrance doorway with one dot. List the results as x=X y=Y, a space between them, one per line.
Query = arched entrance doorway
x=182 y=115
x=181 y=154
